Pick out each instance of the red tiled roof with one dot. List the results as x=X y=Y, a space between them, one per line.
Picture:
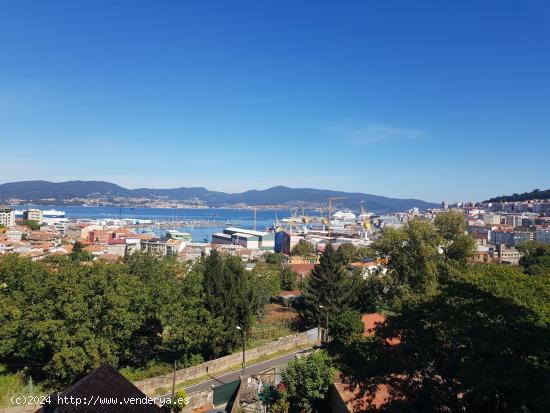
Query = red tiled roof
x=355 y=401
x=371 y=322
x=303 y=269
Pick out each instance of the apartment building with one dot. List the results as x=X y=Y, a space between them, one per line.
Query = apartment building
x=7 y=216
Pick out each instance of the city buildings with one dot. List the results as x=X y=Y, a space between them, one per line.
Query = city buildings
x=33 y=215
x=7 y=216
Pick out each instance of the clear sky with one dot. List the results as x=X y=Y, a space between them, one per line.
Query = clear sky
x=429 y=99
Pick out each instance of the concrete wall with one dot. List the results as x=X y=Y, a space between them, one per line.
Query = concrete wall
x=199 y=399
x=149 y=386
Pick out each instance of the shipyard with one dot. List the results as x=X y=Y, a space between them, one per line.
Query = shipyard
x=275 y=207
x=496 y=227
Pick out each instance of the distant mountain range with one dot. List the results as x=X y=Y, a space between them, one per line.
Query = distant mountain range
x=526 y=196
x=278 y=195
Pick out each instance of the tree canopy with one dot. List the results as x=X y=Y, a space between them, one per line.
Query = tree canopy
x=536 y=258
x=330 y=288
x=61 y=319
x=307 y=380
x=479 y=344
x=303 y=248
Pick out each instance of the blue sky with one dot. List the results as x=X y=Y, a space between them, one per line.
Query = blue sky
x=429 y=99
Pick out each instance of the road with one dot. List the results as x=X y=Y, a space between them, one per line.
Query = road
x=234 y=375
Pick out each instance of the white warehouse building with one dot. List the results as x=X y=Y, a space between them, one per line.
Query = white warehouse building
x=249 y=239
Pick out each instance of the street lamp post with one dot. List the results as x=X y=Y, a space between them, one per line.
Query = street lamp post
x=243 y=332
x=326 y=330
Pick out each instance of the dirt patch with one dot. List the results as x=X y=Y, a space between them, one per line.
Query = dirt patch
x=277 y=313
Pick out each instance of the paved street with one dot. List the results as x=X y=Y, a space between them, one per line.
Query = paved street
x=252 y=369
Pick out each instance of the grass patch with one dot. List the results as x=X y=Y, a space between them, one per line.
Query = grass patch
x=142 y=373
x=16 y=384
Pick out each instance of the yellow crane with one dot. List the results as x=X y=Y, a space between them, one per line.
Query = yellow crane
x=305 y=218
x=324 y=220
x=365 y=222
x=334 y=198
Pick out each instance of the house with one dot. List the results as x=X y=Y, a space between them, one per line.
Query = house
x=96 y=249
x=118 y=395
x=174 y=246
x=39 y=237
x=14 y=235
x=116 y=246
x=133 y=245
x=154 y=246
x=194 y=251
x=302 y=270
x=369 y=268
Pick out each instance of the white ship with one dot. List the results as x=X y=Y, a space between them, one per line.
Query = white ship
x=53 y=213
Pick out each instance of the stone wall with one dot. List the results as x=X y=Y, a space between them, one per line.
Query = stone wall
x=212 y=367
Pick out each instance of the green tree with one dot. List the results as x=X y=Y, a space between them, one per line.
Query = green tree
x=462 y=248
x=31 y=224
x=280 y=406
x=79 y=254
x=485 y=318
x=180 y=400
x=345 y=325
x=61 y=319
x=348 y=253
x=330 y=288
x=303 y=248
x=412 y=253
x=288 y=279
x=450 y=225
x=275 y=258
x=536 y=258
x=307 y=380
x=265 y=283
x=228 y=297
x=456 y=245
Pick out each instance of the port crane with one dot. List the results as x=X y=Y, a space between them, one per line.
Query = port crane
x=305 y=220
x=365 y=222
x=293 y=218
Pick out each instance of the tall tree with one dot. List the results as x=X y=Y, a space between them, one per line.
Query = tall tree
x=330 y=288
x=480 y=345
x=288 y=279
x=412 y=253
x=456 y=244
x=229 y=297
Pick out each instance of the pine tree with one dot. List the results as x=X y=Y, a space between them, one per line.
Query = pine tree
x=229 y=297
x=329 y=286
